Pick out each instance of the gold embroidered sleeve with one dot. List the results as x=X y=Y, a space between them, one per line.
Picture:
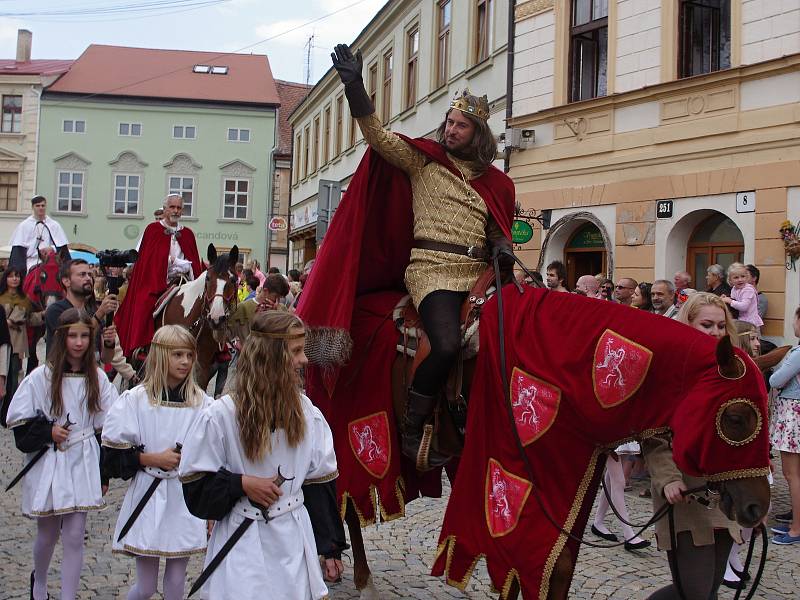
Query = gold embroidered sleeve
x=390 y=145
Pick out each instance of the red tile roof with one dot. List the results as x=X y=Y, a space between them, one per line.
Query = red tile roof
x=291 y=94
x=33 y=67
x=168 y=74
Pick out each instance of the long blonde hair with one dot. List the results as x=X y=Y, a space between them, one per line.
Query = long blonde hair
x=692 y=306
x=267 y=394
x=166 y=340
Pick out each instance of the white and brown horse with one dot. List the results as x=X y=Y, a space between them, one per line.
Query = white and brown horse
x=203 y=306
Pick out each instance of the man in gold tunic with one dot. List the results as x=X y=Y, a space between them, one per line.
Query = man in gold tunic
x=458 y=224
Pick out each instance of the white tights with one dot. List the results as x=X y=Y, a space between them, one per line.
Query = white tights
x=614 y=481
x=147 y=578
x=734 y=559
x=71 y=527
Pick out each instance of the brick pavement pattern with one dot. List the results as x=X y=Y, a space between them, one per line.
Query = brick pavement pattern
x=400 y=554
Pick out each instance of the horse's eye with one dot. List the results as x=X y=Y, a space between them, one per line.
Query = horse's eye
x=738 y=421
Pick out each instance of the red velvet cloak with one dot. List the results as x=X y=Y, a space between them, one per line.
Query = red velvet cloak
x=357 y=279
x=134 y=319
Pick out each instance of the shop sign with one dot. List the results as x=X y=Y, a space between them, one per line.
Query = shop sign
x=278 y=224
x=521 y=232
x=304 y=215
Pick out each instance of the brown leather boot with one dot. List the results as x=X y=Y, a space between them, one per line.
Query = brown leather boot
x=418 y=435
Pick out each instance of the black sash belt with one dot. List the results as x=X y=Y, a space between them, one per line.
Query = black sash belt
x=472 y=251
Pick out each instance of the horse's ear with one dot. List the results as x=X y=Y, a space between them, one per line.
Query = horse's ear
x=233 y=257
x=729 y=366
x=63 y=254
x=211 y=254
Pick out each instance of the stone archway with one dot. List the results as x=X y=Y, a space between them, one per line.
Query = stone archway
x=561 y=232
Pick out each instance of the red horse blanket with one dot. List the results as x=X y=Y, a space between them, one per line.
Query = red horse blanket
x=584 y=376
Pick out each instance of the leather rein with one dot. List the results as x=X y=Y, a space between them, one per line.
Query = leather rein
x=666 y=510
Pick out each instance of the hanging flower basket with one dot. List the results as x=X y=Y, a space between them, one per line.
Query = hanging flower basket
x=791 y=242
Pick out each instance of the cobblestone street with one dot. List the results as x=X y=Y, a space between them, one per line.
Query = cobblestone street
x=400 y=554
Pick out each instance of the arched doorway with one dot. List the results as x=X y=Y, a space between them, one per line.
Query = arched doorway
x=585 y=253
x=716 y=240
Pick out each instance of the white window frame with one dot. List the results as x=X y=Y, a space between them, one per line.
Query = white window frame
x=130 y=129
x=72 y=126
x=225 y=180
x=183 y=129
x=70 y=185
x=115 y=187
x=239 y=131
x=181 y=190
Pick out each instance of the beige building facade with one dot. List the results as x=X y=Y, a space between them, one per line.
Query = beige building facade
x=417 y=56
x=666 y=138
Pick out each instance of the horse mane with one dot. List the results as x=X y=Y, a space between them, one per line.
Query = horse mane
x=221 y=265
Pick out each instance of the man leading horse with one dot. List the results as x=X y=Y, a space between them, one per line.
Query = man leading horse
x=167 y=252
x=442 y=210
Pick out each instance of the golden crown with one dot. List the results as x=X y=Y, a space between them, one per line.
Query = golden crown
x=462 y=102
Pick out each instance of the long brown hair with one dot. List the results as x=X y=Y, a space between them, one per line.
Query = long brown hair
x=58 y=361
x=267 y=394
x=483 y=147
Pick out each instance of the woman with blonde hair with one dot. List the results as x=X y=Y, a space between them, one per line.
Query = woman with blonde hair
x=266 y=454
x=703 y=537
x=143 y=435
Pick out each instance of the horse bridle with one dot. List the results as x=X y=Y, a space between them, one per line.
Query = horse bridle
x=666 y=510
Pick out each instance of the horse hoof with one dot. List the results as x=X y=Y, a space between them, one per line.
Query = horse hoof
x=369 y=591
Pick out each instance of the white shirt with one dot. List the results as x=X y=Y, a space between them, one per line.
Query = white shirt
x=35 y=235
x=176 y=262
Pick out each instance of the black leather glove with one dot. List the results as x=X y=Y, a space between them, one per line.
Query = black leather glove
x=500 y=245
x=349 y=69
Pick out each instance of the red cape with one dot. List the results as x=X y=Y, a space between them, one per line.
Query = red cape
x=134 y=319
x=357 y=279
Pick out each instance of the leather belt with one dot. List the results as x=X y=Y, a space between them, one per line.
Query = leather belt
x=475 y=252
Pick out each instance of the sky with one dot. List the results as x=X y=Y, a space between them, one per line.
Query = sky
x=278 y=28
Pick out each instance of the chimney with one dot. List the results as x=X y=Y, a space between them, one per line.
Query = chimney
x=24 y=40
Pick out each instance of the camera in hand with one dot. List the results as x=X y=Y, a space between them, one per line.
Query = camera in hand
x=111 y=259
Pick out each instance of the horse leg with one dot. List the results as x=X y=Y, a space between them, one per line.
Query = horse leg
x=559 y=581
x=33 y=359
x=206 y=349
x=361 y=573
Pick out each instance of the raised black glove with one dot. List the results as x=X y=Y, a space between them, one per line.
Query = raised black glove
x=349 y=69
x=347 y=65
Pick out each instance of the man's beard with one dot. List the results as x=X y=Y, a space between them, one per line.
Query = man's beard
x=81 y=291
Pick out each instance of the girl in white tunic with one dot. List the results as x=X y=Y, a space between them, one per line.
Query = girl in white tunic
x=230 y=462
x=62 y=404
x=141 y=438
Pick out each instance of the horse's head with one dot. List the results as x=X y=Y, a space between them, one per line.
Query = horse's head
x=220 y=291
x=42 y=285
x=720 y=432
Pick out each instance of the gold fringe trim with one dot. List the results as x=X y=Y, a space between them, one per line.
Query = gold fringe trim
x=323 y=479
x=64 y=511
x=116 y=445
x=133 y=551
x=512 y=575
x=740 y=474
x=752 y=436
x=583 y=487
x=449 y=546
x=377 y=506
x=192 y=477
x=647 y=433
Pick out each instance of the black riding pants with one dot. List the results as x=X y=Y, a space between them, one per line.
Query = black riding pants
x=700 y=568
x=440 y=312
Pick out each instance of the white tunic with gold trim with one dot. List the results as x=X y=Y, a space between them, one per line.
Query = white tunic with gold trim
x=279 y=557
x=66 y=480
x=165 y=527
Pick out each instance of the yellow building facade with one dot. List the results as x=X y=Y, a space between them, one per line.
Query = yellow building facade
x=667 y=138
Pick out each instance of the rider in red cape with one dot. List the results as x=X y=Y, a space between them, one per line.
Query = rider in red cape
x=372 y=256
x=134 y=320
x=618 y=378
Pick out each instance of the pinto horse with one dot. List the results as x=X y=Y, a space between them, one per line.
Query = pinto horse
x=43 y=288
x=570 y=405
x=203 y=306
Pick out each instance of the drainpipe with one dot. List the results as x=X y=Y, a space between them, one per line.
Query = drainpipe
x=38 y=94
x=270 y=188
x=509 y=79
